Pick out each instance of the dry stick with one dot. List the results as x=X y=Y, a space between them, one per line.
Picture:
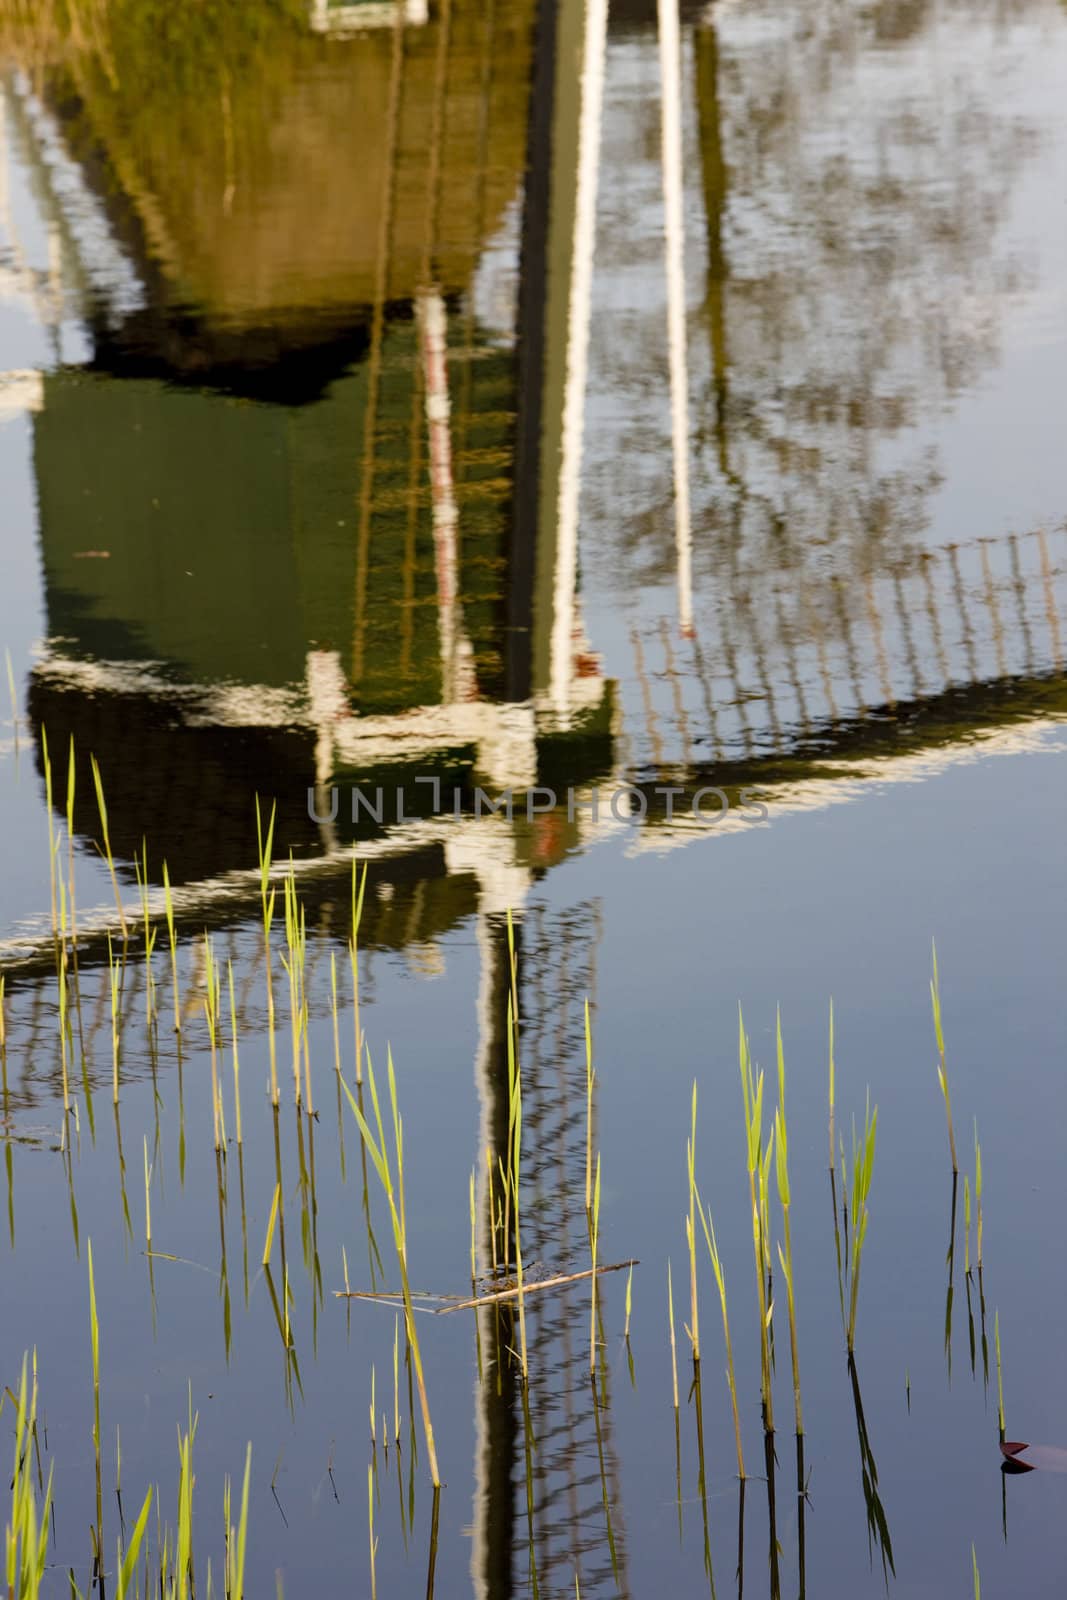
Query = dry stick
x=559 y=1281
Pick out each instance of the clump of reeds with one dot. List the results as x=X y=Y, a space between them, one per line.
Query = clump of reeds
x=26 y=1545
x=168 y=1571
x=862 y=1172
x=942 y=1076
x=378 y=1150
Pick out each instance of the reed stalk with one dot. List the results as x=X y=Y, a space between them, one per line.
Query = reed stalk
x=236 y=1062
x=693 y=1327
x=13 y=697
x=862 y=1172
x=172 y=940
x=211 y=1012
x=101 y=805
x=396 y=1379
x=358 y=891
x=140 y=867
x=62 y=976
x=720 y=1281
x=670 y=1322
x=516 y=1165
x=237 y=1539
x=590 y=1085
x=71 y=787
x=594 y=1237
x=978 y=1196
x=47 y=764
x=1000 y=1372
x=942 y=1076
x=147 y=1198
x=294 y=971
x=474 y=1230
x=784 y=1196
x=832 y=1075
x=758 y=1165
x=94 y=1335
x=267 y=903
x=333 y=1013
x=373 y=1540
x=271 y=1222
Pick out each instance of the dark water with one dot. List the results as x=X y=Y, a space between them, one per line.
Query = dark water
x=365 y=417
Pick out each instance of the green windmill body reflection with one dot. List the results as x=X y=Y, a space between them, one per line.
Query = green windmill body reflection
x=286 y=591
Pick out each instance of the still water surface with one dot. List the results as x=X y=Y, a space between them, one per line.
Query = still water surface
x=385 y=397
